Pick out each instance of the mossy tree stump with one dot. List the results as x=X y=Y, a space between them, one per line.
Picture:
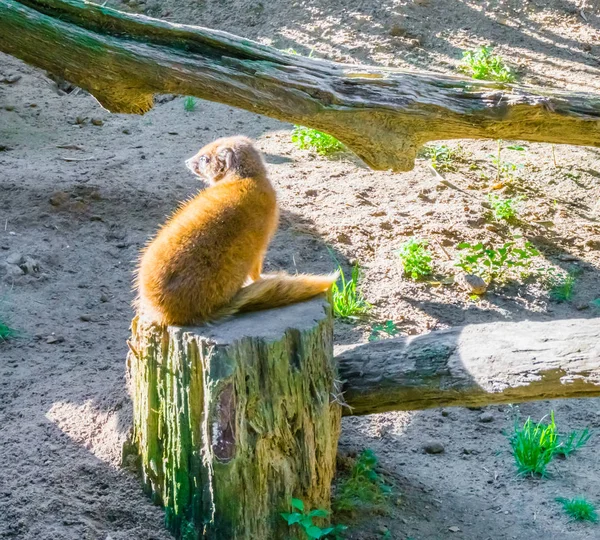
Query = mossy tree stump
x=232 y=421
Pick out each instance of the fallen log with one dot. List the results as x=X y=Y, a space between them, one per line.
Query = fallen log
x=475 y=365
x=383 y=115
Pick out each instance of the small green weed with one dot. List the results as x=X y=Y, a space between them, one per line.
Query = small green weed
x=495 y=264
x=506 y=209
x=6 y=332
x=388 y=328
x=579 y=509
x=302 y=518
x=506 y=169
x=348 y=302
x=189 y=103
x=311 y=139
x=483 y=64
x=561 y=285
x=443 y=158
x=415 y=258
x=534 y=446
x=364 y=486
x=573 y=442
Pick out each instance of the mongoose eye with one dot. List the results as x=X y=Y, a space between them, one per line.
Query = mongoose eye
x=204 y=160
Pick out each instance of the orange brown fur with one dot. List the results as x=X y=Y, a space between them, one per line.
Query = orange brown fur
x=195 y=269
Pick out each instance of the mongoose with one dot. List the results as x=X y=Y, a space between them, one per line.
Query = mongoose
x=197 y=268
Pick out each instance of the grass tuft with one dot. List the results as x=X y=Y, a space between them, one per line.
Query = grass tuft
x=534 y=446
x=415 y=258
x=348 y=301
x=189 y=104
x=579 y=509
x=364 y=486
x=311 y=139
x=6 y=332
x=562 y=287
x=482 y=64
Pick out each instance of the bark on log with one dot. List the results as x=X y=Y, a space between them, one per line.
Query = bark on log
x=232 y=421
x=475 y=365
x=383 y=115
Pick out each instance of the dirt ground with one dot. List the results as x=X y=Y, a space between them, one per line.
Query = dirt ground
x=78 y=200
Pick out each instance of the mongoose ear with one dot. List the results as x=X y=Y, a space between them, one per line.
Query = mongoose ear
x=227 y=157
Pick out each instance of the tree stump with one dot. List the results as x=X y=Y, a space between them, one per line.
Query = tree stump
x=233 y=420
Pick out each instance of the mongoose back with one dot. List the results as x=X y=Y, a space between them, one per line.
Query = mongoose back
x=197 y=268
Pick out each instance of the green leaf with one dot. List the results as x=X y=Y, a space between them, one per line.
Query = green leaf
x=314 y=532
x=293 y=518
x=298 y=504
x=318 y=513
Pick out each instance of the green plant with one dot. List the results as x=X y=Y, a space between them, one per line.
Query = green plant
x=506 y=209
x=348 y=302
x=561 y=286
x=574 y=441
x=311 y=139
x=579 y=509
x=482 y=64
x=364 y=485
x=304 y=519
x=189 y=103
x=443 y=158
x=534 y=446
x=6 y=332
x=415 y=258
x=495 y=264
x=506 y=169
x=388 y=328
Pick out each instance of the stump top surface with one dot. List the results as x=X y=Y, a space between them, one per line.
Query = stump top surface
x=269 y=324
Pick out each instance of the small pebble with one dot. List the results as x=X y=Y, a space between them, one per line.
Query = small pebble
x=97 y=122
x=55 y=339
x=486 y=417
x=434 y=447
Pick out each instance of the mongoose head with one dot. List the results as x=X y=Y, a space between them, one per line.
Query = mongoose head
x=226 y=156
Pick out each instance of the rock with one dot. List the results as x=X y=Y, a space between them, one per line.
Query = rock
x=311 y=193
x=473 y=408
x=15 y=258
x=11 y=78
x=486 y=417
x=85 y=318
x=434 y=447
x=104 y=297
x=454 y=528
x=97 y=122
x=54 y=339
x=445 y=412
x=12 y=271
x=59 y=198
x=582 y=306
x=473 y=284
x=127 y=132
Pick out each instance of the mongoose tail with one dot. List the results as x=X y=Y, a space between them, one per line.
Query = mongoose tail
x=276 y=290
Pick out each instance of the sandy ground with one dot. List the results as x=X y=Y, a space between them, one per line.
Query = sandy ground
x=78 y=200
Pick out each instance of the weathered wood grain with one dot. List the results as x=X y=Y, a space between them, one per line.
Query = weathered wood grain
x=474 y=365
x=383 y=115
x=232 y=421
